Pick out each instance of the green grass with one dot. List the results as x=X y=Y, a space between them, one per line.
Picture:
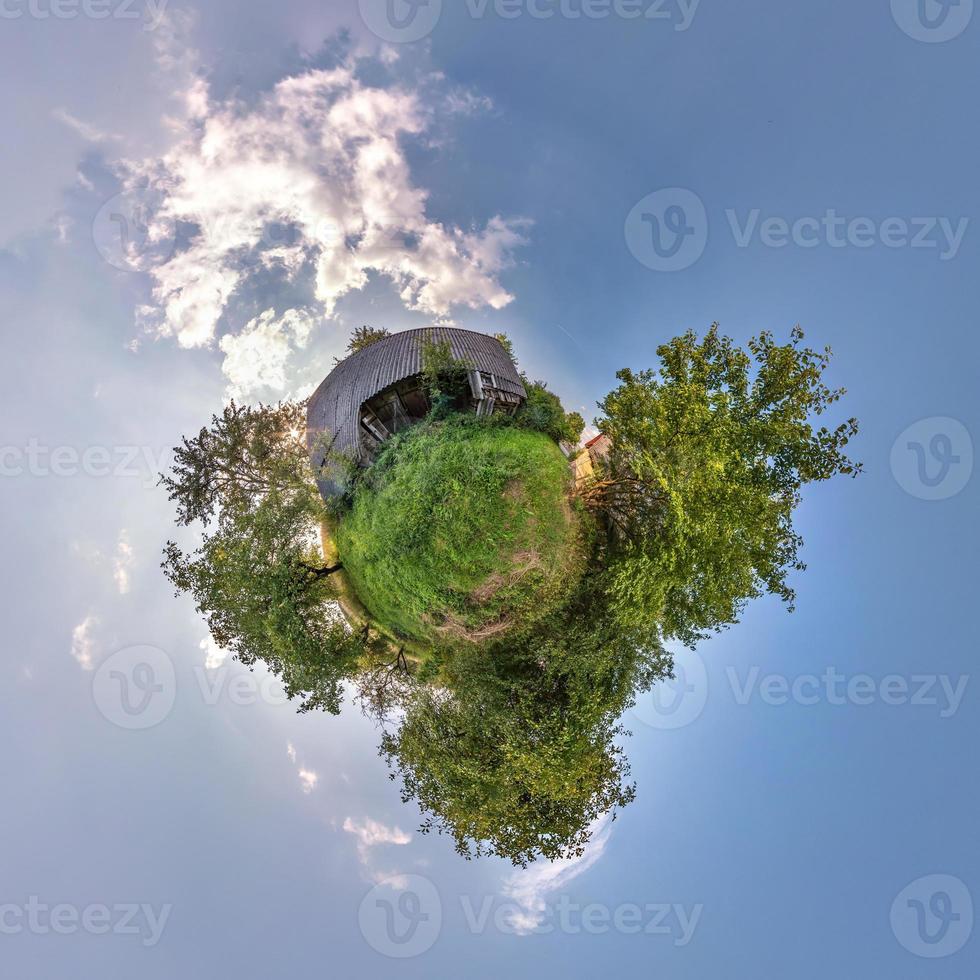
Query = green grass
x=463 y=531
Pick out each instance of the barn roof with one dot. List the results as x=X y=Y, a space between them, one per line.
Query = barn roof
x=334 y=408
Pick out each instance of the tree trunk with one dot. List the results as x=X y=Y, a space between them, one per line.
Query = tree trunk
x=322 y=572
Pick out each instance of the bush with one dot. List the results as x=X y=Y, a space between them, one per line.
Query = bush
x=543 y=412
x=446 y=379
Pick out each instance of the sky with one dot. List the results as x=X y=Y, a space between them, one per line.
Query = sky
x=202 y=201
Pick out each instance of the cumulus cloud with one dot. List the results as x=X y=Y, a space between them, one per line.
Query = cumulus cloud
x=308 y=780
x=256 y=359
x=529 y=887
x=310 y=186
x=83 y=643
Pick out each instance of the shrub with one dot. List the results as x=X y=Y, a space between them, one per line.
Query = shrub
x=543 y=412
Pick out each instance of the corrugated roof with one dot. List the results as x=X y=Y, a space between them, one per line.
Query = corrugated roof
x=334 y=408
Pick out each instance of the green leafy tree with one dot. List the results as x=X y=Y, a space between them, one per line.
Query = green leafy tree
x=508 y=346
x=445 y=377
x=708 y=460
x=513 y=777
x=513 y=750
x=258 y=576
x=543 y=411
x=263 y=590
x=364 y=337
x=246 y=453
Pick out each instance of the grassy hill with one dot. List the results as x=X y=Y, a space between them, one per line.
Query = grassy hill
x=463 y=530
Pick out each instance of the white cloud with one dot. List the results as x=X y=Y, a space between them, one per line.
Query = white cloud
x=86 y=130
x=311 y=181
x=388 y=54
x=371 y=833
x=256 y=359
x=123 y=562
x=82 y=642
x=177 y=59
x=214 y=656
x=529 y=887
x=308 y=780
x=393 y=879
x=62 y=226
x=120 y=561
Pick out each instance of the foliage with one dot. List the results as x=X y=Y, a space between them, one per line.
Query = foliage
x=263 y=589
x=508 y=346
x=364 y=337
x=514 y=753
x=246 y=453
x=543 y=412
x=532 y=620
x=709 y=457
x=445 y=377
x=258 y=577
x=460 y=530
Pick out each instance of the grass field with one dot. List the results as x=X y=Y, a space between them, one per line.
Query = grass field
x=463 y=532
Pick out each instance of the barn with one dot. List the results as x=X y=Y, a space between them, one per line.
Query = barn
x=378 y=391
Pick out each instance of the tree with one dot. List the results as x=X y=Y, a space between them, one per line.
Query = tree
x=507 y=773
x=708 y=460
x=258 y=576
x=512 y=750
x=246 y=453
x=543 y=411
x=508 y=346
x=445 y=377
x=364 y=337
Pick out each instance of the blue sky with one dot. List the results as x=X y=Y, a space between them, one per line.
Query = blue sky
x=299 y=176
